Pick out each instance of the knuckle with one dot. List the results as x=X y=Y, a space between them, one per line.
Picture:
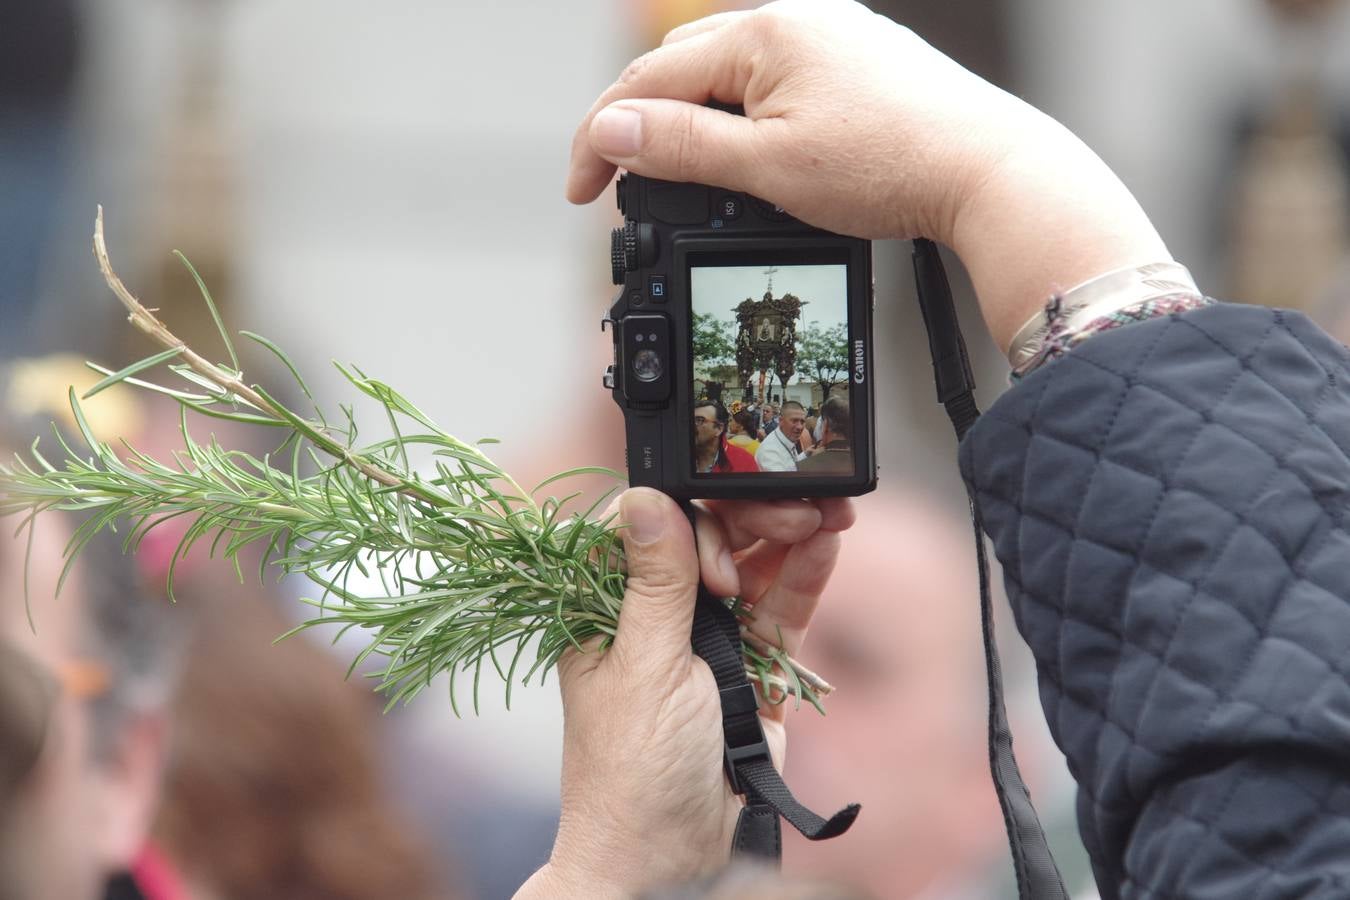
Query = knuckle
x=675 y=34
x=687 y=145
x=633 y=71
x=770 y=25
x=663 y=582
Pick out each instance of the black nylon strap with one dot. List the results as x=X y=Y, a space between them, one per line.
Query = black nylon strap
x=759 y=834
x=764 y=780
x=716 y=638
x=1038 y=877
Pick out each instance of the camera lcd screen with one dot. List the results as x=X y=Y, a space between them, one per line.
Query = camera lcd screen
x=771 y=368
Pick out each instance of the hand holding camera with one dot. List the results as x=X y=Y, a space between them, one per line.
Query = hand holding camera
x=848 y=118
x=855 y=125
x=644 y=798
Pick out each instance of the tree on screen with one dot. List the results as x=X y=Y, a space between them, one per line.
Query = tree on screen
x=714 y=340
x=823 y=352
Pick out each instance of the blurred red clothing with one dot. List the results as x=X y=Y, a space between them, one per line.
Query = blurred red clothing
x=731 y=458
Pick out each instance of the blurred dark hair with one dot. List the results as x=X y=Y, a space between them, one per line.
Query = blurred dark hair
x=26 y=698
x=837 y=417
x=720 y=411
x=746 y=419
x=273 y=789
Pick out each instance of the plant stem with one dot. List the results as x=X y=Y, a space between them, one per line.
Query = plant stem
x=471 y=564
x=146 y=322
x=816 y=683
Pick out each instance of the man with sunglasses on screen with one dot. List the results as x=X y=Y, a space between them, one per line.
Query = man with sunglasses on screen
x=712 y=451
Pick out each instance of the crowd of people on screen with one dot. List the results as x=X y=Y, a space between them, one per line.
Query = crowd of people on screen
x=787 y=438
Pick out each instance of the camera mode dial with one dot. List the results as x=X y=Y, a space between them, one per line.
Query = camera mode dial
x=630 y=248
x=618 y=249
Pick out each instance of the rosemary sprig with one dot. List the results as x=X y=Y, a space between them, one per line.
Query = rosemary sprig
x=478 y=572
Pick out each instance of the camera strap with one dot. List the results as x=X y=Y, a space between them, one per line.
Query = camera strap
x=716 y=638
x=1038 y=877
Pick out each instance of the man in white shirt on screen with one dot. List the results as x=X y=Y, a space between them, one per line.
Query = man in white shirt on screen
x=779 y=451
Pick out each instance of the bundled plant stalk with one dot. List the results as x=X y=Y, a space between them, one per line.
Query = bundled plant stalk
x=477 y=573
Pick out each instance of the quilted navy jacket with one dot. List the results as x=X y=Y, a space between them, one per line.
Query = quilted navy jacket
x=1169 y=504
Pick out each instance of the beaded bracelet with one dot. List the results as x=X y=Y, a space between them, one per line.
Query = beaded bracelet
x=1100 y=296
x=1062 y=335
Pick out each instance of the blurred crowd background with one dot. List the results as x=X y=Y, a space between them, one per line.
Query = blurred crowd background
x=383 y=185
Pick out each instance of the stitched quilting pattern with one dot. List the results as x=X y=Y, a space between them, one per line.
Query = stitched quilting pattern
x=1169 y=502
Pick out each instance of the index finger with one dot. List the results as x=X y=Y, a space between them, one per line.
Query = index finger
x=726 y=527
x=779 y=521
x=746 y=522
x=704 y=25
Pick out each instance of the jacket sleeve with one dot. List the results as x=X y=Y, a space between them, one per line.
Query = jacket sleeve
x=1169 y=503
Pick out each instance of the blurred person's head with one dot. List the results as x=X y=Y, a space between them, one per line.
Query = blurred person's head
x=270 y=787
x=837 y=424
x=897 y=633
x=792 y=420
x=745 y=422
x=273 y=788
x=97 y=664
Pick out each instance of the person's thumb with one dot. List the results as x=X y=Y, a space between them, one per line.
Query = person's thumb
x=678 y=141
x=658 y=606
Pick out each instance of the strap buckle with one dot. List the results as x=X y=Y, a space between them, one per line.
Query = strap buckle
x=743 y=737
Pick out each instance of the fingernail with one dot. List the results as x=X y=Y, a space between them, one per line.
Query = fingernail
x=617 y=131
x=645 y=516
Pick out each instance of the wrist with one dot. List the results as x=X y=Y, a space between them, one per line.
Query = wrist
x=1048 y=215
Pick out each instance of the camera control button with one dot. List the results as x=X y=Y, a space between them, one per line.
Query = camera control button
x=729 y=207
x=618 y=257
x=769 y=211
x=631 y=247
x=656 y=288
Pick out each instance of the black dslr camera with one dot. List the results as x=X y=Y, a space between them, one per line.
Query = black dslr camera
x=735 y=320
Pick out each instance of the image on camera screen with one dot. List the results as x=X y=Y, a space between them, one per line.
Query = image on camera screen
x=770 y=370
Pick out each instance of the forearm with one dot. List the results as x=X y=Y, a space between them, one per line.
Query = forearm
x=1168 y=503
x=1258 y=821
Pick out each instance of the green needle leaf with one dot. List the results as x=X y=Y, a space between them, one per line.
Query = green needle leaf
x=285 y=360
x=211 y=305
x=122 y=374
x=448 y=571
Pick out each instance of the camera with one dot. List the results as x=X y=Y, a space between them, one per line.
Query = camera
x=736 y=329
